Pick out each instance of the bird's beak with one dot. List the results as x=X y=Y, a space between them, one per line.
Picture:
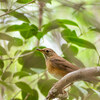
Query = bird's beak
x=41 y=50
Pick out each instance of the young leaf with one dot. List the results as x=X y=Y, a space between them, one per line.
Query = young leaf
x=24 y=87
x=23 y=1
x=45 y=85
x=2 y=51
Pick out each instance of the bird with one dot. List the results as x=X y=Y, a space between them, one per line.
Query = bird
x=56 y=65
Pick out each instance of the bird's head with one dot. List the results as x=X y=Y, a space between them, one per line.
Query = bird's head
x=47 y=52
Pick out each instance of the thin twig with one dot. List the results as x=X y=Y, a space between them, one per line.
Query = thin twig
x=41 y=5
x=18 y=56
x=17 y=8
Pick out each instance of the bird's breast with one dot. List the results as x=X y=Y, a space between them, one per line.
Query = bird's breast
x=54 y=71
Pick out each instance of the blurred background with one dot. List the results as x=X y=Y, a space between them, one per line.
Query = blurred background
x=70 y=27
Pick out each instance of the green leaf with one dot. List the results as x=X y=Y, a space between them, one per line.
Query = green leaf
x=23 y=1
x=30 y=96
x=24 y=87
x=67 y=32
x=68 y=22
x=34 y=60
x=29 y=33
x=1 y=72
x=26 y=30
x=2 y=51
x=6 y=75
x=1 y=64
x=80 y=42
x=21 y=74
x=15 y=42
x=22 y=27
x=58 y=23
x=45 y=85
x=73 y=49
x=18 y=15
x=4 y=36
x=69 y=54
x=39 y=35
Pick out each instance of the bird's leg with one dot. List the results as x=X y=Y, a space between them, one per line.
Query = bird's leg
x=63 y=90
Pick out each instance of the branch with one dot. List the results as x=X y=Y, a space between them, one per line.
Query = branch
x=17 y=8
x=86 y=74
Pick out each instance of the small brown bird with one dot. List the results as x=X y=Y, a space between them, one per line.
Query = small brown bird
x=56 y=65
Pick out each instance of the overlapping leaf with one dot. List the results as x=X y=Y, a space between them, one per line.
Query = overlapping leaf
x=26 y=30
x=58 y=23
x=70 y=37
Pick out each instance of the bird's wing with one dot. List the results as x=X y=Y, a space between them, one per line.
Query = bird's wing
x=63 y=64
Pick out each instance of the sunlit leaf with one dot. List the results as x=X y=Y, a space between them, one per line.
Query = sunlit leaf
x=30 y=96
x=39 y=35
x=24 y=87
x=80 y=42
x=45 y=85
x=67 y=32
x=22 y=27
x=2 y=51
x=23 y=1
x=30 y=32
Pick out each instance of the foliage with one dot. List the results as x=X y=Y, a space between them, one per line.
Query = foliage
x=69 y=27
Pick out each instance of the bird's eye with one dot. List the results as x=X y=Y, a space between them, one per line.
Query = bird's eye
x=47 y=51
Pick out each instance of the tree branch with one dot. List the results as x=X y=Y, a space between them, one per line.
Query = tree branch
x=86 y=74
x=17 y=8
